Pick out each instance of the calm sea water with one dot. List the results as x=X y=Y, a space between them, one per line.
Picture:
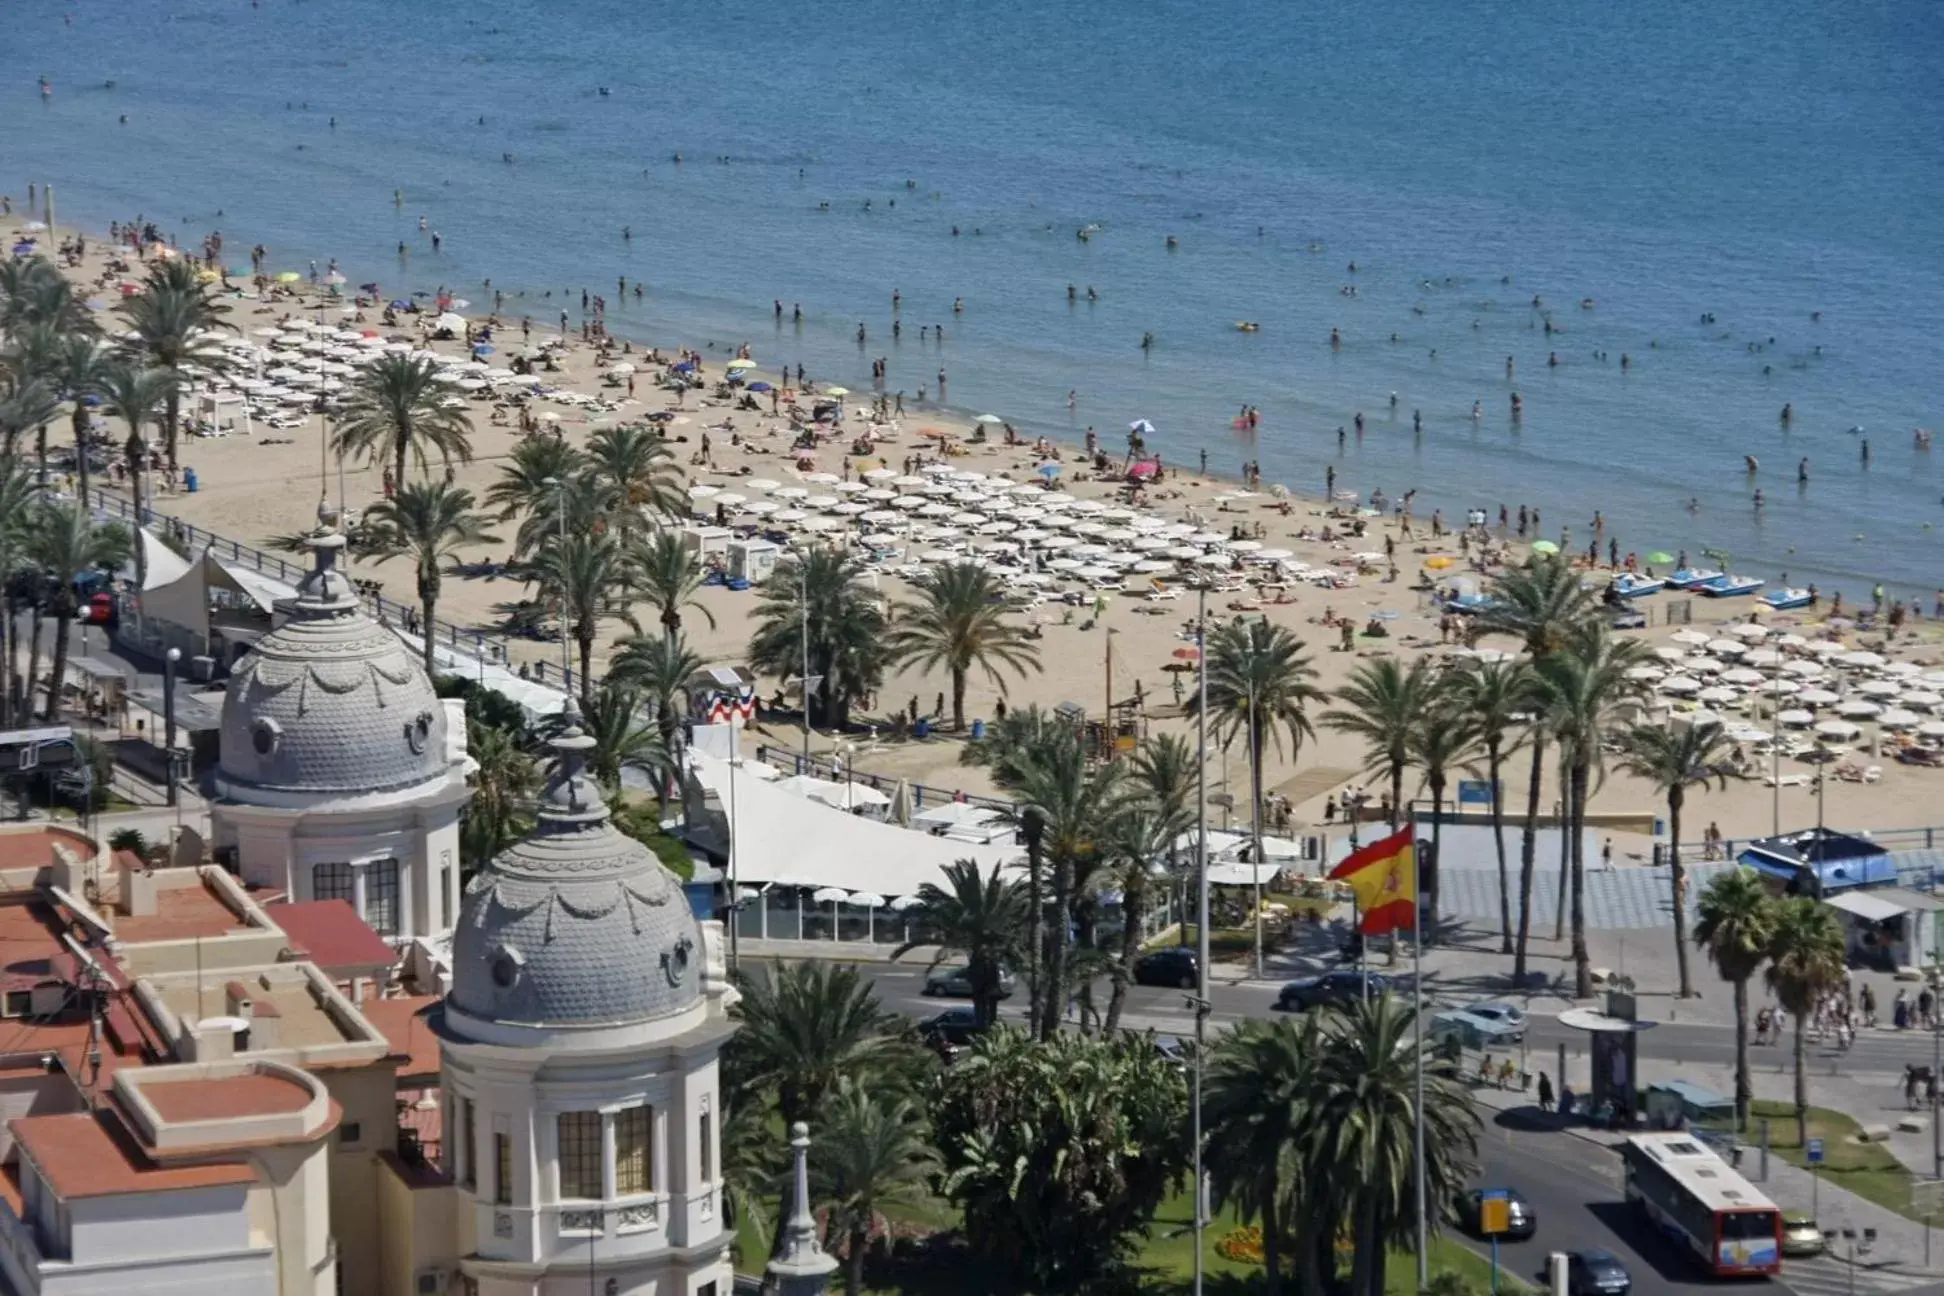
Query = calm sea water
x=1759 y=160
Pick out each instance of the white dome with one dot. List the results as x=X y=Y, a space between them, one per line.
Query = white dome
x=331 y=701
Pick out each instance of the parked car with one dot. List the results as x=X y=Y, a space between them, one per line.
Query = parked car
x=1508 y=1015
x=1467 y=1031
x=956 y=983
x=1337 y=987
x=951 y=1032
x=1596 y=1273
x=1175 y=1049
x=1519 y=1214
x=1800 y=1236
x=1174 y=966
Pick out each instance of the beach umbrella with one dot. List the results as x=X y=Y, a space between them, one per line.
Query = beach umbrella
x=790 y=493
x=1244 y=546
x=1742 y=676
x=1727 y=647
x=1670 y=654
x=879 y=540
x=1816 y=697
x=1141 y=426
x=910 y=503
x=1644 y=674
x=1921 y=699
x=702 y=490
x=1898 y=718
x=851 y=487
x=1839 y=730
x=1903 y=670
x=1680 y=684
x=1779 y=689
x=729 y=499
x=1806 y=669
x=1860 y=660
x=1705 y=665
x=741 y=362
x=1765 y=657
x=1693 y=638
x=880 y=494
x=1743 y=733
x=1931 y=729
x=822 y=478
x=763 y=484
x=1879 y=688
x=1716 y=695
x=1795 y=718
x=1749 y=630
x=1544 y=547
x=1824 y=648
x=820 y=524
x=820 y=502
x=1660 y=556
x=838 y=392
x=1858 y=710
x=1065 y=564
x=791 y=515
x=989 y=420
x=761 y=508
x=882 y=517
x=1933 y=679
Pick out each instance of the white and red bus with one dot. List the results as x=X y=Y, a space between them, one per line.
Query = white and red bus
x=1701 y=1204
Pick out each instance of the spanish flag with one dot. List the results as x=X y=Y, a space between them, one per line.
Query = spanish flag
x=1384 y=876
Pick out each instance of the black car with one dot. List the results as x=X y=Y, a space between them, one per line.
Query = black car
x=1596 y=1273
x=1520 y=1216
x=951 y=1032
x=956 y=983
x=1344 y=986
x=1175 y=966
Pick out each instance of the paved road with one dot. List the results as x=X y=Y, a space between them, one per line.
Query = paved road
x=901 y=986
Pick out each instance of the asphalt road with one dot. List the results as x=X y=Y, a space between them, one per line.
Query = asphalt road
x=901 y=986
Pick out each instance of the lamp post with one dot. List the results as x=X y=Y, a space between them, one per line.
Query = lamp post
x=169 y=660
x=560 y=513
x=1201 y=912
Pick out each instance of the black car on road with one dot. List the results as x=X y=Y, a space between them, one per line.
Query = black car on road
x=1175 y=966
x=956 y=983
x=1342 y=986
x=951 y=1032
x=1596 y=1273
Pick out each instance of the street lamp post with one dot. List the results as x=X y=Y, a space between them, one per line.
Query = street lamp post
x=560 y=513
x=169 y=660
x=1201 y=914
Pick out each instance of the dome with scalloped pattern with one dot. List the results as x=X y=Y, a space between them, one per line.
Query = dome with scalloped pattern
x=330 y=701
x=578 y=924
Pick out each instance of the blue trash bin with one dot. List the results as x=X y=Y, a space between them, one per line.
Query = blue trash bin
x=189 y=480
x=978 y=730
x=922 y=729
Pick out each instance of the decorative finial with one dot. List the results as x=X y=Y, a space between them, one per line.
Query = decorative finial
x=800 y=1266
x=572 y=798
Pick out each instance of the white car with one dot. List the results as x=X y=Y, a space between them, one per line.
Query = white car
x=1507 y=1015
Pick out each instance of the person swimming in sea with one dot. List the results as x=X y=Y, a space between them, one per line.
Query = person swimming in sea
x=1751 y=463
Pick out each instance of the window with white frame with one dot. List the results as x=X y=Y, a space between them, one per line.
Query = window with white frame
x=634 y=1150
x=333 y=881
x=381 y=896
x=582 y=1173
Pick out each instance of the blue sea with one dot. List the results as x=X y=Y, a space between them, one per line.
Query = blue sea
x=1773 y=166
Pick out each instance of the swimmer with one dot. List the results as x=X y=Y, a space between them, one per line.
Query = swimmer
x=1173 y=243
x=1751 y=463
x=1788 y=414
x=1336 y=340
x=1478 y=411
x=1802 y=470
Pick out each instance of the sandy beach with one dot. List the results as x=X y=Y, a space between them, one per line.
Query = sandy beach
x=270 y=482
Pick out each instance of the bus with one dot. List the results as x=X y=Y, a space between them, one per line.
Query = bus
x=1698 y=1201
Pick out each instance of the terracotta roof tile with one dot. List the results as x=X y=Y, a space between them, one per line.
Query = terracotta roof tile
x=333 y=936
x=92 y=1154
x=230 y=1096
x=402 y=1022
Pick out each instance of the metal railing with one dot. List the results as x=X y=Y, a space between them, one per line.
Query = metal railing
x=1891 y=839
x=120 y=508
x=836 y=771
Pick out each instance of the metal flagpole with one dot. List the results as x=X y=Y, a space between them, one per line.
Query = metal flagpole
x=1255 y=818
x=1201 y=912
x=1417 y=1049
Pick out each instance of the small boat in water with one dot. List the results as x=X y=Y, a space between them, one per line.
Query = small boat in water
x=1784 y=599
x=1689 y=577
x=1729 y=586
x=1627 y=585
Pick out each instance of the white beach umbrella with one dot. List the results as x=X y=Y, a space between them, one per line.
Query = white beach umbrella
x=1680 y=684
x=820 y=501
x=1058 y=542
x=1213 y=560
x=1741 y=676
x=1150 y=543
x=879 y=540
x=910 y=503
x=821 y=479
x=1749 y=630
x=1716 y=695
x=909 y=479
x=1096 y=573
x=969 y=519
x=1806 y=669
x=1795 y=718
x=1839 y=730
x=790 y=493
x=882 y=517
x=1244 y=546
x=1120 y=535
x=936 y=511
x=702 y=490
x=1921 y=700
x=1860 y=660
x=1932 y=680
x=1766 y=658
x=1088 y=506
x=1817 y=697
x=764 y=484
x=820 y=524
x=1186 y=553
x=944 y=534
x=1898 y=718
x=790 y=515
x=848 y=509
x=1644 y=674
x=1779 y=688
x=1745 y=733
x=1065 y=564
x=1692 y=638
x=1903 y=670
x=1670 y=654
x=1149 y=566
x=1879 y=688
x=1727 y=647
x=851 y=487
x=1931 y=729
x=1859 y=710
x=1705 y=665
x=761 y=508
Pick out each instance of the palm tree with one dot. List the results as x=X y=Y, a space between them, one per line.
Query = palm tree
x=1496 y=698
x=395 y=408
x=662 y=670
x=1260 y=686
x=34 y=358
x=428 y=522
x=137 y=395
x=64 y=542
x=1735 y=924
x=529 y=477
x=804 y=1027
x=176 y=328
x=611 y=717
x=847 y=629
x=19 y=502
x=1443 y=742
x=642 y=470
x=1073 y=806
x=1543 y=605
x=1807 y=960
x=1384 y=703
x=26 y=404
x=979 y=917
x=663 y=570
x=1165 y=772
x=34 y=291
x=1587 y=692
x=81 y=363
x=584 y=570
x=1140 y=835
x=959 y=621
x=502 y=788
x=1257 y=1116
x=1674 y=760
x=871 y=1152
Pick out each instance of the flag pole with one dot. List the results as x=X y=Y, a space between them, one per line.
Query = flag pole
x=1417 y=1050
x=1201 y=909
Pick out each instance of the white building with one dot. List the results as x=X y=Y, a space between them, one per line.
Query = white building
x=342 y=774
x=580 y=1040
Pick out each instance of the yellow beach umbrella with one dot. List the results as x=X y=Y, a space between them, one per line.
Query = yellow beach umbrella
x=742 y=364
x=289 y=276
x=836 y=391
x=1438 y=562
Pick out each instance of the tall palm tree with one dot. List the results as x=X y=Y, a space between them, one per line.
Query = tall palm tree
x=959 y=621
x=804 y=1027
x=428 y=522
x=502 y=788
x=662 y=670
x=1140 y=836
x=847 y=629
x=137 y=395
x=530 y=475
x=1165 y=774
x=1441 y=743
x=33 y=358
x=979 y=917
x=395 y=408
x=34 y=291
x=1257 y=1112
x=1735 y=924
x=65 y=542
x=19 y=500
x=82 y=362
x=1587 y=696
x=612 y=718
x=872 y=1151
x=1496 y=699
x=1384 y=703
x=176 y=328
x=1674 y=760
x=1543 y=605
x=26 y=404
x=1807 y=960
x=638 y=464
x=668 y=574
x=1074 y=806
x=583 y=571
x=1261 y=684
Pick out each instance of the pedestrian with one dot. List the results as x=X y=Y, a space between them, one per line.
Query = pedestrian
x=1866 y=1000
x=1545 y=1092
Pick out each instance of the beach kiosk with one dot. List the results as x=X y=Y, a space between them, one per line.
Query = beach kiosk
x=752 y=561
x=707 y=542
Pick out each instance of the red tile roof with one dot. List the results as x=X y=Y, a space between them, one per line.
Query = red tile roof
x=230 y=1096
x=333 y=936
x=34 y=848
x=92 y=1154
x=413 y=1045
x=181 y=913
